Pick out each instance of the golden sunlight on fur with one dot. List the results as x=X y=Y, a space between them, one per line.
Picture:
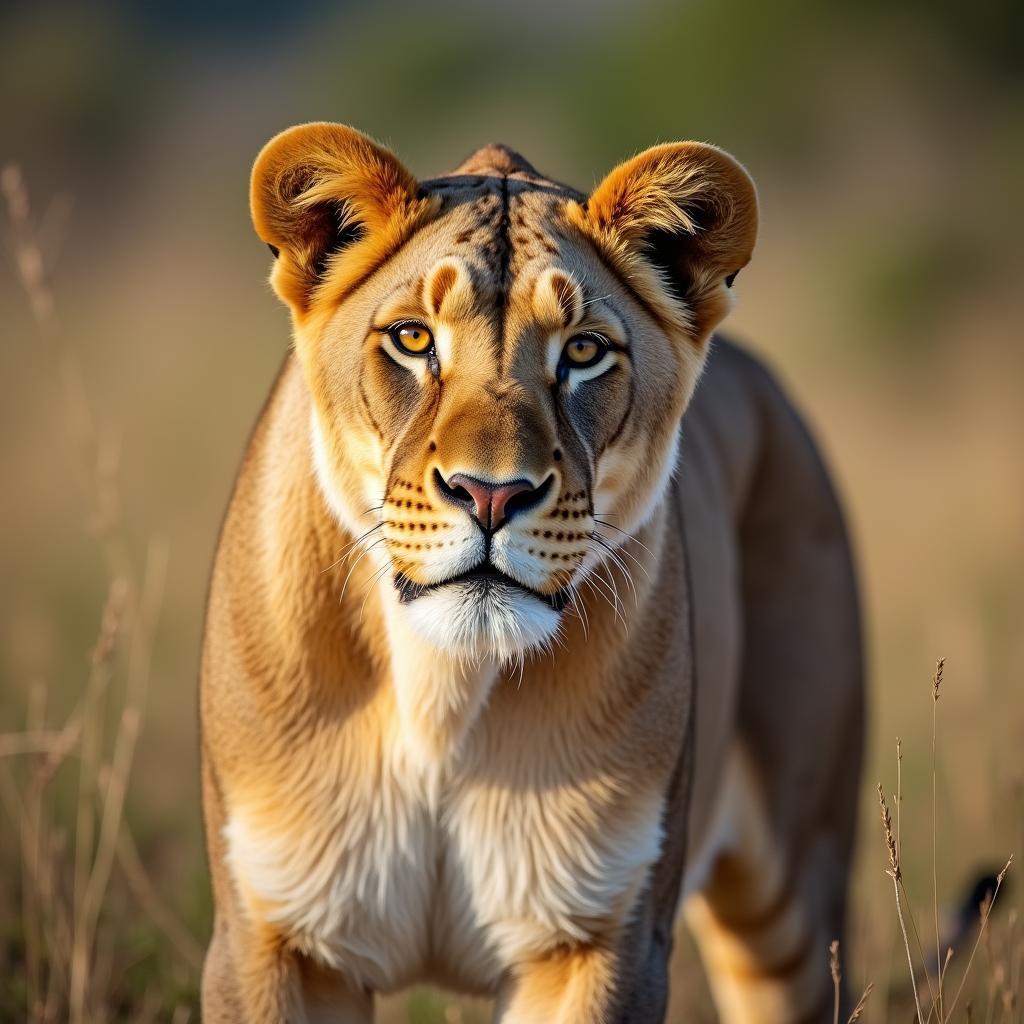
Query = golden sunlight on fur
x=502 y=664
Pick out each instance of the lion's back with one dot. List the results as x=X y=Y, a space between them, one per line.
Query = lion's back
x=777 y=626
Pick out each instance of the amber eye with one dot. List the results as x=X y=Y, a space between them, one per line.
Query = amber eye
x=583 y=350
x=412 y=338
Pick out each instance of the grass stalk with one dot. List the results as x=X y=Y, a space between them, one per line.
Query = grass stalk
x=936 y=684
x=986 y=913
x=895 y=874
x=835 y=970
x=858 y=1010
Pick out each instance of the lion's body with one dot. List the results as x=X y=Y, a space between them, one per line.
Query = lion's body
x=380 y=812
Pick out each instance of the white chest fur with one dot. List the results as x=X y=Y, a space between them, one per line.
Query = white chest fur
x=393 y=872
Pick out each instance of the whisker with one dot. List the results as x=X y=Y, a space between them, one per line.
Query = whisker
x=349 y=546
x=579 y=610
x=362 y=540
x=628 y=536
x=621 y=550
x=366 y=551
x=369 y=587
x=623 y=568
x=608 y=594
x=607 y=600
x=615 y=591
x=608 y=587
x=613 y=554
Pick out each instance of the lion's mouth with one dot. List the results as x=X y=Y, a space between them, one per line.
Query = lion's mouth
x=481 y=579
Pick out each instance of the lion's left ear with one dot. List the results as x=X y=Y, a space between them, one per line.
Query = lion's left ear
x=687 y=209
x=320 y=190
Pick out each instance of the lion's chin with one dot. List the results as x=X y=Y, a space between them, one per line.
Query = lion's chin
x=479 y=620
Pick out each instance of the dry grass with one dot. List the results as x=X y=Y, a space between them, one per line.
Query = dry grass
x=934 y=975
x=835 y=967
x=68 y=856
x=64 y=781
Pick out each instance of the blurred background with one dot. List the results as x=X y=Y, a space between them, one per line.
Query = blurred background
x=887 y=290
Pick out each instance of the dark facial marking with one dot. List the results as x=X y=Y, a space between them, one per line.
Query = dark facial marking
x=503 y=243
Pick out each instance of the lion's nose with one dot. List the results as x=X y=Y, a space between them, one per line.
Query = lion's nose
x=491 y=504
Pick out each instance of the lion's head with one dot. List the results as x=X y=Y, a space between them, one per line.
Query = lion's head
x=498 y=364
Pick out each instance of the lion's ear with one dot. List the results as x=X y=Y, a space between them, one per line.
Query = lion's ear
x=688 y=209
x=316 y=191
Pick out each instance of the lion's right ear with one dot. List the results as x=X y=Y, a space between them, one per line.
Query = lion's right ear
x=322 y=193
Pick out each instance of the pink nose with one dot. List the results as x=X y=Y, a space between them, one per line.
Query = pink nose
x=490 y=504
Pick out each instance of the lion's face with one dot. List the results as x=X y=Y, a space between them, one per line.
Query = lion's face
x=497 y=370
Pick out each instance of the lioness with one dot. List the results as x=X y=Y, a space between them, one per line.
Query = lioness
x=505 y=658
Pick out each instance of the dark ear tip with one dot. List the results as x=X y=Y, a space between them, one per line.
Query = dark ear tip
x=274 y=249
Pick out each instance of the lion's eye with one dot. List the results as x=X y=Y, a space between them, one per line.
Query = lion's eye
x=583 y=350
x=413 y=339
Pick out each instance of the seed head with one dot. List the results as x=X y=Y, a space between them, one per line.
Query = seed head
x=894 y=857
x=937 y=678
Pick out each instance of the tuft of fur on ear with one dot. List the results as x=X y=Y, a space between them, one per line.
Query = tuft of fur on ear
x=324 y=194
x=689 y=212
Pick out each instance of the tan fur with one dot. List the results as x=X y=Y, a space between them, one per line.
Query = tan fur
x=509 y=793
